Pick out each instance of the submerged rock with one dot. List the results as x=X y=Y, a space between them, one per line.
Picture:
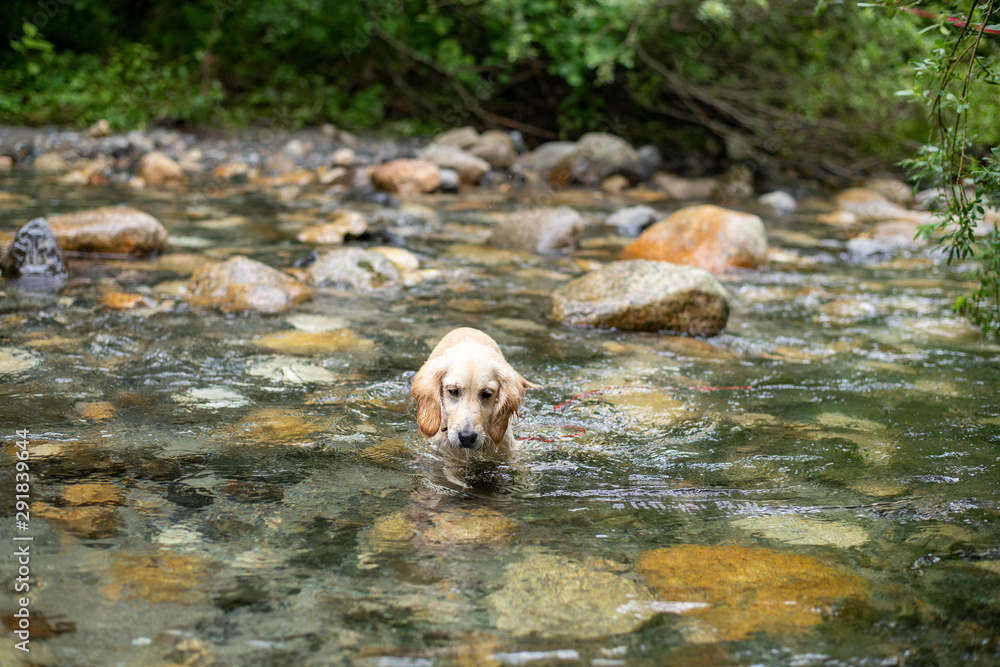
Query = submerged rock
x=156 y=578
x=110 y=229
x=406 y=177
x=241 y=283
x=92 y=521
x=748 y=591
x=479 y=527
x=643 y=295
x=804 y=530
x=551 y=596
x=353 y=268
x=14 y=360
x=34 y=258
x=709 y=237
x=546 y=231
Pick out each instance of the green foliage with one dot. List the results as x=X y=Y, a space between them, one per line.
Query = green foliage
x=555 y=67
x=957 y=85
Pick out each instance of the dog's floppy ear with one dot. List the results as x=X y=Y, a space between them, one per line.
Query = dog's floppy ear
x=512 y=387
x=427 y=390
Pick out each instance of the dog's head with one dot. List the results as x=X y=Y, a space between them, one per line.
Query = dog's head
x=468 y=393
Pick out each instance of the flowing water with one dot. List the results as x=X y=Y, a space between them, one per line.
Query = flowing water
x=252 y=490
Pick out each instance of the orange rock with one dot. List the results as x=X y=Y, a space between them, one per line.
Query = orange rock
x=746 y=590
x=94 y=522
x=158 y=578
x=109 y=229
x=93 y=493
x=96 y=410
x=122 y=301
x=241 y=283
x=709 y=237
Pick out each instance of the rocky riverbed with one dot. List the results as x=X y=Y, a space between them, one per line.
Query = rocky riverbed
x=761 y=436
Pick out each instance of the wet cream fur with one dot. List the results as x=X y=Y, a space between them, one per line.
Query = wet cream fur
x=467 y=394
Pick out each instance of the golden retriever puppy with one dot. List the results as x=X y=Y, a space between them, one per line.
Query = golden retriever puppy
x=467 y=394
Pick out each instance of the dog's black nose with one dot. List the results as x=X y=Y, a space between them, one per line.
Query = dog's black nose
x=467 y=438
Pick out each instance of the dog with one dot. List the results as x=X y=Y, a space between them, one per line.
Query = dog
x=467 y=395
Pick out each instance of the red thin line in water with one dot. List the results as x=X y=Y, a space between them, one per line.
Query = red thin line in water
x=595 y=392
x=579 y=431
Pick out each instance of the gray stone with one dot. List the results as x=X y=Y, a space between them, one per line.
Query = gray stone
x=632 y=220
x=643 y=295
x=542 y=159
x=649 y=160
x=546 y=231
x=462 y=137
x=782 y=202
x=596 y=156
x=551 y=596
x=241 y=284
x=450 y=180
x=470 y=168
x=495 y=147
x=34 y=258
x=354 y=269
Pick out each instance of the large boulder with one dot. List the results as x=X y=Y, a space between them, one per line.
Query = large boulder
x=709 y=237
x=34 y=258
x=240 y=284
x=157 y=169
x=353 y=269
x=546 y=231
x=406 y=177
x=470 y=168
x=596 y=156
x=644 y=296
x=110 y=229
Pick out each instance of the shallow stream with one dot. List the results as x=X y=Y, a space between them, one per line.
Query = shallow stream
x=252 y=490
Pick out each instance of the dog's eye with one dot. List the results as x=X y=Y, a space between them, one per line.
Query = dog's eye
x=455 y=392
x=486 y=395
